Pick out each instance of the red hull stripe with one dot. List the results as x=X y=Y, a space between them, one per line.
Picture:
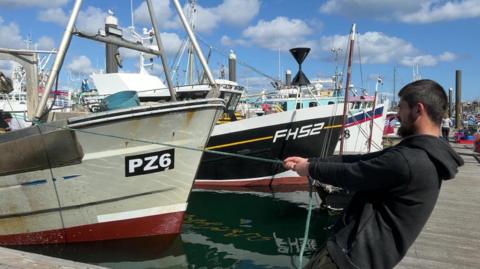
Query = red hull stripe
x=163 y=224
x=363 y=120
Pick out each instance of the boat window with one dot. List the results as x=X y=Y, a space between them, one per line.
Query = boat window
x=356 y=105
x=299 y=105
x=331 y=102
x=284 y=106
x=233 y=102
x=312 y=104
x=226 y=96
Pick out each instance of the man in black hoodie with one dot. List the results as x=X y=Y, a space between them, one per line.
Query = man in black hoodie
x=395 y=189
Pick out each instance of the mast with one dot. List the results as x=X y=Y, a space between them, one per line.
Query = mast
x=336 y=52
x=166 y=69
x=67 y=37
x=394 y=83
x=191 y=50
x=347 y=85
x=215 y=90
x=374 y=107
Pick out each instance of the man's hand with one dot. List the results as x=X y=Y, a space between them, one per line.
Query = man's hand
x=297 y=164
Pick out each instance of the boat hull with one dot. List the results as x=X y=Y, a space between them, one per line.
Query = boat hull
x=272 y=137
x=357 y=131
x=133 y=180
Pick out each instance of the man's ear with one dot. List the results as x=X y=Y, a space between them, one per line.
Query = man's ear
x=421 y=109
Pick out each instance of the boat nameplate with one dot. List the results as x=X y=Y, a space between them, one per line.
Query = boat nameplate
x=148 y=163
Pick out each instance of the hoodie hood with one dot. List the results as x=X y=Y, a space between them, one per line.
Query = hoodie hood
x=446 y=160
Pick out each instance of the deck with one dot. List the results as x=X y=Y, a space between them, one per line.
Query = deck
x=451 y=237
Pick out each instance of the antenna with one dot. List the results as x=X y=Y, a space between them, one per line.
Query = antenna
x=131 y=14
x=300 y=54
x=279 y=73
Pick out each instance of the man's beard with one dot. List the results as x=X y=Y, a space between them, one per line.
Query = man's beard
x=405 y=131
x=407 y=128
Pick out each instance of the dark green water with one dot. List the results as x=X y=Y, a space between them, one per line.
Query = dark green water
x=221 y=230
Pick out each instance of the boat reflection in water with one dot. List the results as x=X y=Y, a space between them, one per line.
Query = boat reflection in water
x=250 y=230
x=222 y=229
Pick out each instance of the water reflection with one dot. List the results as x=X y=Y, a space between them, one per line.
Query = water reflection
x=257 y=229
x=250 y=230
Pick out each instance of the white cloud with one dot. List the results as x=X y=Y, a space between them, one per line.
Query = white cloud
x=234 y=12
x=375 y=47
x=422 y=60
x=409 y=11
x=280 y=33
x=428 y=60
x=238 y=12
x=88 y=20
x=435 y=11
x=55 y=15
x=81 y=65
x=33 y=3
x=447 y=57
x=6 y=67
x=379 y=48
x=171 y=43
x=229 y=42
x=207 y=19
x=163 y=13
x=91 y=20
x=380 y=9
x=45 y=43
x=10 y=35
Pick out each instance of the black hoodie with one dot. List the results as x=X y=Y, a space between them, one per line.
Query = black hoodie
x=396 y=191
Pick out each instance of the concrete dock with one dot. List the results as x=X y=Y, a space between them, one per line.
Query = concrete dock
x=451 y=237
x=14 y=259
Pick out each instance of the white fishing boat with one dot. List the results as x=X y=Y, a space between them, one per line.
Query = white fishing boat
x=116 y=174
x=110 y=175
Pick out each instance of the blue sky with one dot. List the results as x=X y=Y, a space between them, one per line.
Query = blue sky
x=437 y=35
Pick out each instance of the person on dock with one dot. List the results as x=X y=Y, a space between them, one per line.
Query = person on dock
x=396 y=189
x=4 y=122
x=446 y=124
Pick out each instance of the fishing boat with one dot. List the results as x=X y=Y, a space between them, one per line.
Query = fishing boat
x=120 y=173
x=297 y=122
x=303 y=132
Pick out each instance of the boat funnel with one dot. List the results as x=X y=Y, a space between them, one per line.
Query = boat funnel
x=300 y=54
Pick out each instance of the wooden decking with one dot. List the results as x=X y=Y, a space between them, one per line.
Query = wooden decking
x=451 y=238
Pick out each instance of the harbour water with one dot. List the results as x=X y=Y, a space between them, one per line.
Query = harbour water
x=222 y=229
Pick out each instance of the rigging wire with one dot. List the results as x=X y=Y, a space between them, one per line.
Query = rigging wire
x=221 y=52
x=274 y=161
